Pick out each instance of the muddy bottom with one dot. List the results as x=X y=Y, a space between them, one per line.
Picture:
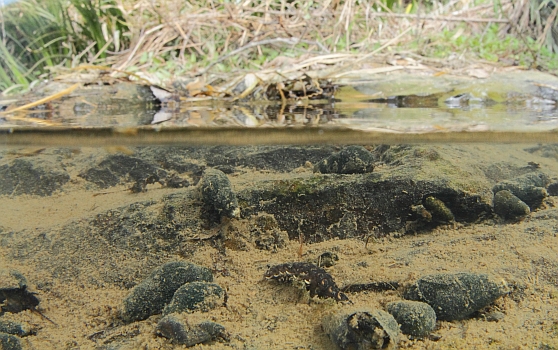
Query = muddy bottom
x=85 y=226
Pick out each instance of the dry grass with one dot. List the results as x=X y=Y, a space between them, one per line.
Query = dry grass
x=203 y=37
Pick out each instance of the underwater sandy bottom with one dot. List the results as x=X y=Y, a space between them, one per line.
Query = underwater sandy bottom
x=261 y=314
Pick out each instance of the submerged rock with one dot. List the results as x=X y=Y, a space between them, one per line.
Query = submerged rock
x=351 y=160
x=438 y=210
x=415 y=318
x=152 y=294
x=456 y=296
x=196 y=296
x=10 y=342
x=509 y=206
x=530 y=188
x=217 y=193
x=362 y=330
x=25 y=177
x=15 y=328
x=179 y=331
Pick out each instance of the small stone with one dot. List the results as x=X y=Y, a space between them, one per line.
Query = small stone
x=217 y=193
x=184 y=332
x=456 y=296
x=414 y=317
x=509 y=206
x=152 y=294
x=494 y=316
x=196 y=296
x=327 y=259
x=362 y=330
x=351 y=160
x=438 y=210
x=266 y=233
x=15 y=328
x=9 y=342
x=530 y=188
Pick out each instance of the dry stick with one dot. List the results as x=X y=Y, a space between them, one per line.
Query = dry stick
x=440 y=18
x=43 y=100
x=289 y=41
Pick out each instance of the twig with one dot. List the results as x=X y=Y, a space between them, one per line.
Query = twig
x=440 y=18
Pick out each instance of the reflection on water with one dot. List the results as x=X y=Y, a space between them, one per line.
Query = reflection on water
x=82 y=228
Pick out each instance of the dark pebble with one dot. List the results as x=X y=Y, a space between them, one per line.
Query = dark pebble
x=350 y=160
x=530 y=188
x=414 y=317
x=456 y=296
x=509 y=207
x=327 y=259
x=152 y=294
x=9 y=342
x=217 y=193
x=182 y=332
x=362 y=329
x=196 y=296
x=15 y=328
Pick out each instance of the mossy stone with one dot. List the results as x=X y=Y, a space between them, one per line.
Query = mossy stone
x=456 y=296
x=217 y=193
x=350 y=160
x=196 y=296
x=510 y=207
x=181 y=332
x=152 y=294
x=415 y=318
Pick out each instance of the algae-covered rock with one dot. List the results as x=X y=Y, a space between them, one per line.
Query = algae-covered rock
x=509 y=206
x=217 y=193
x=152 y=294
x=196 y=296
x=415 y=318
x=351 y=160
x=9 y=342
x=15 y=328
x=530 y=188
x=438 y=210
x=182 y=332
x=362 y=330
x=456 y=296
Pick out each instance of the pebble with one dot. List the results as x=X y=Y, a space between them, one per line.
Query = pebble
x=152 y=294
x=217 y=193
x=530 y=188
x=196 y=296
x=350 y=160
x=415 y=318
x=510 y=207
x=438 y=210
x=9 y=342
x=456 y=296
x=15 y=328
x=362 y=329
x=184 y=332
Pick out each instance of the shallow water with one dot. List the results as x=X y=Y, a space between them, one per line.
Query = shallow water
x=86 y=224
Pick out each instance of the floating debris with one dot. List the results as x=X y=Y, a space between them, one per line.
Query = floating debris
x=456 y=296
x=317 y=281
x=362 y=330
x=509 y=207
x=152 y=294
x=415 y=318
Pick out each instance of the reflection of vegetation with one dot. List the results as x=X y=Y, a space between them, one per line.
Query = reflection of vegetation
x=169 y=38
